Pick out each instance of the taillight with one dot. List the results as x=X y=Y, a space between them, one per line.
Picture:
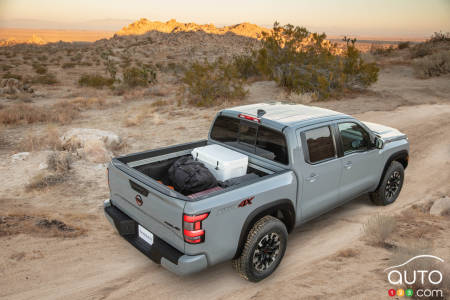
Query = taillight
x=192 y=228
x=250 y=118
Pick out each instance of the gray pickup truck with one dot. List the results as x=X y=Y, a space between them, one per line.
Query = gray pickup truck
x=308 y=160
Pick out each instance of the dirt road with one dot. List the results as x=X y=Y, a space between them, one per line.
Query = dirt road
x=101 y=265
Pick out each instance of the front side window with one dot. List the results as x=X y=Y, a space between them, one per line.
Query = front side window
x=320 y=144
x=353 y=137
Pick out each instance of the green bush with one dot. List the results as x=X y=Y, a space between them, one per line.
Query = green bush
x=143 y=76
x=95 y=80
x=245 y=66
x=207 y=83
x=301 y=62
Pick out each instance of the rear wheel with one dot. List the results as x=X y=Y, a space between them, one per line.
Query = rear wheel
x=263 y=250
x=390 y=186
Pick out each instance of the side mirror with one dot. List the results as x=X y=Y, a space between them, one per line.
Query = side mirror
x=379 y=143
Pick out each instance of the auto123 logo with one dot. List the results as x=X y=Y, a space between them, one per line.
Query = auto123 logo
x=420 y=281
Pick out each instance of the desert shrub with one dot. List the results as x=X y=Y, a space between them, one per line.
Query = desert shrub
x=59 y=161
x=206 y=83
x=40 y=69
x=403 y=45
x=95 y=80
x=88 y=103
x=44 y=180
x=420 y=50
x=11 y=75
x=42 y=58
x=6 y=67
x=143 y=76
x=77 y=58
x=245 y=66
x=49 y=140
x=379 y=229
x=21 y=113
x=48 y=79
x=381 y=50
x=302 y=62
x=111 y=68
x=432 y=65
x=440 y=37
x=68 y=65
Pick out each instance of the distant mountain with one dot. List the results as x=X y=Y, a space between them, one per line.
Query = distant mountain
x=144 y=25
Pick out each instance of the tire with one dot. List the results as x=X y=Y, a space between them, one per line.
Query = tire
x=390 y=186
x=263 y=250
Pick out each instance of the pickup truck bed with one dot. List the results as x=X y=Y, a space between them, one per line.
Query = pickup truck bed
x=136 y=190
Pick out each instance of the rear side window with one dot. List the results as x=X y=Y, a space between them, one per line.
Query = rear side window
x=251 y=137
x=320 y=144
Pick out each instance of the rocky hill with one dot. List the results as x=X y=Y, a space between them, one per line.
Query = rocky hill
x=143 y=26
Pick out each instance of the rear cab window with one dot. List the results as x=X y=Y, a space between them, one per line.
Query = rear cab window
x=251 y=137
x=319 y=145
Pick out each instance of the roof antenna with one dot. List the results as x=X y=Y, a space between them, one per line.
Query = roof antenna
x=260 y=113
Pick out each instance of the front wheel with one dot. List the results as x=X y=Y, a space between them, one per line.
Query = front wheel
x=390 y=186
x=263 y=250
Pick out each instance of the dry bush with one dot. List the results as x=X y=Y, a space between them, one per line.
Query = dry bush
x=159 y=103
x=40 y=69
x=45 y=180
x=134 y=77
x=345 y=253
x=379 y=229
x=433 y=65
x=89 y=103
x=21 y=113
x=19 y=223
x=48 y=79
x=68 y=65
x=59 y=162
x=49 y=140
x=95 y=80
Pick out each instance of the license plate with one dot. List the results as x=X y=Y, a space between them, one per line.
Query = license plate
x=145 y=234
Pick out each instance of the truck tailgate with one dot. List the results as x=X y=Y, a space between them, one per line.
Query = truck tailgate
x=158 y=213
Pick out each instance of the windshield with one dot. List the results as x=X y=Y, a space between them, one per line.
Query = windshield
x=251 y=137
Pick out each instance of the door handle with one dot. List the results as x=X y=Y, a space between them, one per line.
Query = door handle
x=313 y=177
x=348 y=165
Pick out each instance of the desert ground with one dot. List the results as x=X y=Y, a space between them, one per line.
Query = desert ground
x=56 y=243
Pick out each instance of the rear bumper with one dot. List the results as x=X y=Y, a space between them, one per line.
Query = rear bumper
x=160 y=252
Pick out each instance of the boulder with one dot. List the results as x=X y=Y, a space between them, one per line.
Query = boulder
x=91 y=144
x=19 y=156
x=440 y=206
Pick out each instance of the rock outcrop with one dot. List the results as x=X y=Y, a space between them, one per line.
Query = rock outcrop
x=91 y=144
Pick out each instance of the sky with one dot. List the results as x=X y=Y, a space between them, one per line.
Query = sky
x=412 y=18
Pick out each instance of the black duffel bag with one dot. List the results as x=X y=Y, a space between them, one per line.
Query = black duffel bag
x=189 y=176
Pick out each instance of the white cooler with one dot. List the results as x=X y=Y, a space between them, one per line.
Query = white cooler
x=222 y=162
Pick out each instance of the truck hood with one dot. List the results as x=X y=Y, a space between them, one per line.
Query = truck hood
x=388 y=134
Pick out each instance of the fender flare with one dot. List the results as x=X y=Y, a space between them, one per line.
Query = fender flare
x=285 y=205
x=400 y=156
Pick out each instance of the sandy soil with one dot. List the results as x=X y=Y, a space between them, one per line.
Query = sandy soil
x=98 y=264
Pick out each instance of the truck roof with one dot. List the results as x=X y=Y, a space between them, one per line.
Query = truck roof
x=285 y=114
